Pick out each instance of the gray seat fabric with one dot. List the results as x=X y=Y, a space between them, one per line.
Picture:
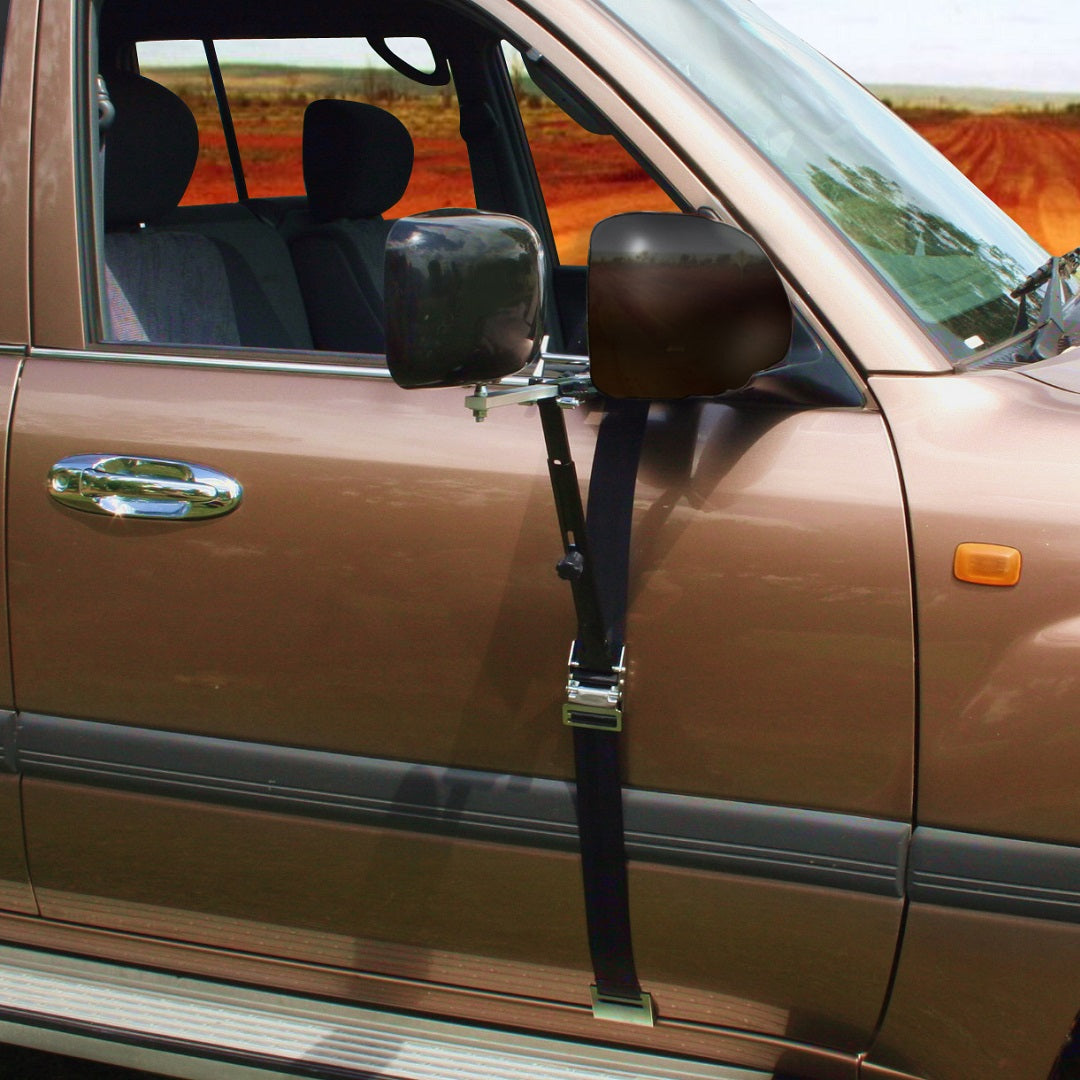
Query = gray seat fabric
x=266 y=295
x=167 y=287
x=199 y=275
x=357 y=163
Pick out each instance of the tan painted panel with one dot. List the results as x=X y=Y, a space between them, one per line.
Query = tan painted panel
x=57 y=314
x=386 y=588
x=995 y=458
x=15 y=112
x=979 y=995
x=715 y=950
x=15 y=892
x=771 y=651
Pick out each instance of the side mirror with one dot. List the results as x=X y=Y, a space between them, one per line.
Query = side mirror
x=681 y=305
x=463 y=298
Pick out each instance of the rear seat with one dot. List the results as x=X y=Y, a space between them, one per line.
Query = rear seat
x=269 y=308
x=357 y=162
x=215 y=275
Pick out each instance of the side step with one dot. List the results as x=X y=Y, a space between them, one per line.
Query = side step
x=201 y=1030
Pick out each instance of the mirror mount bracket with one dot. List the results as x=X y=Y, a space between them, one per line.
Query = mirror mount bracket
x=569 y=384
x=484 y=398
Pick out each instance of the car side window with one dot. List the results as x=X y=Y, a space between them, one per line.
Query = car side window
x=276 y=241
x=585 y=172
x=250 y=184
x=267 y=102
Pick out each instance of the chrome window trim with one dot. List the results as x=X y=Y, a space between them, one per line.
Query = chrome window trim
x=238 y=363
x=246 y=361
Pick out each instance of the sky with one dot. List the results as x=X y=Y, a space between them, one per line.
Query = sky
x=1003 y=44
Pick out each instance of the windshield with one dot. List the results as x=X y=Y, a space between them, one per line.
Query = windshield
x=949 y=253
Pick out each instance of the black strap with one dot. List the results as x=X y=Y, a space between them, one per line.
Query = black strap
x=233 y=147
x=600 y=593
x=611 y=504
x=603 y=864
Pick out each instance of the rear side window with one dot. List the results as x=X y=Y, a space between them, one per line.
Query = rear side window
x=270 y=83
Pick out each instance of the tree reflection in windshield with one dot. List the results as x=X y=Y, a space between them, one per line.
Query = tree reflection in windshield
x=948 y=276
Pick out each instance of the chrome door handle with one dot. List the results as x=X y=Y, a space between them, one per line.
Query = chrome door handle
x=142 y=487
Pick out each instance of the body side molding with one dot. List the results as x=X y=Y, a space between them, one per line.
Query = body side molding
x=811 y=847
x=807 y=846
x=995 y=873
x=8 y=723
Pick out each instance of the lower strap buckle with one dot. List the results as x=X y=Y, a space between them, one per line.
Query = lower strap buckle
x=592 y=717
x=635 y=1010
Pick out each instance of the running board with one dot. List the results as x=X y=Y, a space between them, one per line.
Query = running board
x=202 y=1030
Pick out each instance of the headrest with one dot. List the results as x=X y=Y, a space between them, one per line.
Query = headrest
x=357 y=159
x=150 y=151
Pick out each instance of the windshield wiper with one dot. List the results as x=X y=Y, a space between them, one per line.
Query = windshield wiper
x=1049 y=336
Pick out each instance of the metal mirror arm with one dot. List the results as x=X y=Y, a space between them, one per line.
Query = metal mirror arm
x=567 y=385
x=593 y=652
x=596 y=667
x=556 y=375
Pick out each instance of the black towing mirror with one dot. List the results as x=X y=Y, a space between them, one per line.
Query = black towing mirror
x=681 y=305
x=463 y=298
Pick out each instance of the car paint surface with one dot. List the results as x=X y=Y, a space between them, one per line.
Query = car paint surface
x=997 y=665
x=383 y=600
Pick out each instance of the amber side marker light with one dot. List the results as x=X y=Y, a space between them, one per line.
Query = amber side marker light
x=987 y=564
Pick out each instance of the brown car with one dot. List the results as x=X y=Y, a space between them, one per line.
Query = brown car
x=297 y=778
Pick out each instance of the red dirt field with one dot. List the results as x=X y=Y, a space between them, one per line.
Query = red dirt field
x=1029 y=164
x=1026 y=163
x=584 y=177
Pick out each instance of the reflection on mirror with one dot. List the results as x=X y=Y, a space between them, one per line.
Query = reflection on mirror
x=463 y=298
x=681 y=305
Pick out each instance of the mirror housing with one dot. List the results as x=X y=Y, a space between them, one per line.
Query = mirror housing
x=681 y=305
x=463 y=298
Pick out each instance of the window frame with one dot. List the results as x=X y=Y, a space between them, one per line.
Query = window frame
x=495 y=21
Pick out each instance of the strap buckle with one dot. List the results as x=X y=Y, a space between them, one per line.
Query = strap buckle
x=594 y=698
x=636 y=1010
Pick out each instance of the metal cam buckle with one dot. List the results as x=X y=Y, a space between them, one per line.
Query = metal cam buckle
x=594 y=698
x=593 y=717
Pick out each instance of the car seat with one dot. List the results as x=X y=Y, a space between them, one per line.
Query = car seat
x=357 y=162
x=161 y=285
x=211 y=275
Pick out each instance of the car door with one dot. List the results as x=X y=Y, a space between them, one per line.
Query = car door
x=323 y=729
x=16 y=67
